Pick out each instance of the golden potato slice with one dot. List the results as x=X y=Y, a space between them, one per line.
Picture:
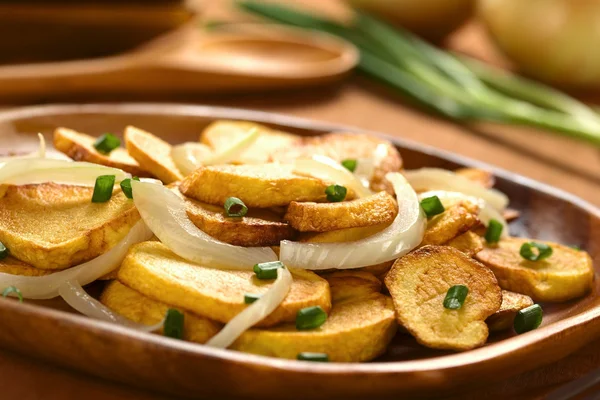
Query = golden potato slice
x=512 y=303
x=418 y=283
x=483 y=177
x=152 y=153
x=143 y=310
x=565 y=275
x=11 y=265
x=377 y=209
x=53 y=226
x=511 y=214
x=80 y=147
x=469 y=243
x=342 y=146
x=351 y=284
x=153 y=270
x=259 y=186
x=456 y=220
x=221 y=134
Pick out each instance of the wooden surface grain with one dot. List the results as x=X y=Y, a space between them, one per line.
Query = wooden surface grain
x=569 y=165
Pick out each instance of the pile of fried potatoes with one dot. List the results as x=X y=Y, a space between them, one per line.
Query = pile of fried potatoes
x=364 y=306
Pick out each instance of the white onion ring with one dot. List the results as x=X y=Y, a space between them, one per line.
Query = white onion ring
x=46 y=287
x=404 y=234
x=235 y=150
x=165 y=214
x=365 y=167
x=441 y=179
x=188 y=156
x=255 y=312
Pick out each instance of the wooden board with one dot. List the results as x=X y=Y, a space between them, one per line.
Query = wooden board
x=187 y=369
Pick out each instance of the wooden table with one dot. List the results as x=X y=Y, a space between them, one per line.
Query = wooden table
x=569 y=165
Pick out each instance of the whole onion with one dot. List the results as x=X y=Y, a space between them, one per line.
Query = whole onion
x=553 y=40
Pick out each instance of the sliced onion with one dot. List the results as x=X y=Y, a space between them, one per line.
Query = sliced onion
x=486 y=212
x=403 y=235
x=328 y=170
x=165 y=214
x=46 y=287
x=254 y=313
x=442 y=179
x=235 y=150
x=365 y=167
x=77 y=297
x=189 y=156
x=39 y=170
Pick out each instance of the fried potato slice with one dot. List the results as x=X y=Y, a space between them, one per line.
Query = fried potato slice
x=418 y=283
x=136 y=307
x=341 y=146
x=376 y=209
x=469 y=243
x=512 y=303
x=152 y=153
x=219 y=135
x=153 y=270
x=565 y=275
x=80 y=147
x=53 y=226
x=11 y=265
x=456 y=220
x=351 y=284
x=259 y=227
x=260 y=186
x=481 y=176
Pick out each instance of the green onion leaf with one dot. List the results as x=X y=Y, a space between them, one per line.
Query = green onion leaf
x=528 y=319
x=310 y=318
x=307 y=356
x=3 y=251
x=250 y=298
x=13 y=289
x=455 y=297
x=107 y=143
x=335 y=193
x=173 y=327
x=103 y=188
x=350 y=164
x=432 y=206
x=543 y=251
x=126 y=187
x=494 y=231
x=234 y=207
x=267 y=270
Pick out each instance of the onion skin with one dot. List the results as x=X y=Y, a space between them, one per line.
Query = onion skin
x=551 y=40
x=431 y=19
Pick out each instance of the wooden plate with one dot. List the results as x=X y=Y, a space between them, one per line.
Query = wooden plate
x=48 y=331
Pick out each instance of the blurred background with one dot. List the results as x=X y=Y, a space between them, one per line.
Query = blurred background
x=510 y=82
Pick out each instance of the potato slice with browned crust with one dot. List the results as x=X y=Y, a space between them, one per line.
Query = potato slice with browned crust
x=351 y=284
x=152 y=153
x=259 y=227
x=377 y=209
x=481 y=176
x=221 y=134
x=80 y=147
x=259 y=186
x=512 y=303
x=565 y=275
x=155 y=271
x=11 y=265
x=456 y=220
x=418 y=283
x=469 y=243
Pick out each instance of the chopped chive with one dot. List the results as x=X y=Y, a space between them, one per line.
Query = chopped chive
x=126 y=187
x=494 y=231
x=103 y=188
x=234 y=207
x=432 y=206
x=455 y=297
x=3 y=251
x=173 y=326
x=310 y=318
x=350 y=164
x=250 y=298
x=13 y=289
x=543 y=251
x=336 y=193
x=308 y=356
x=528 y=319
x=267 y=270
x=107 y=143
x=575 y=247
